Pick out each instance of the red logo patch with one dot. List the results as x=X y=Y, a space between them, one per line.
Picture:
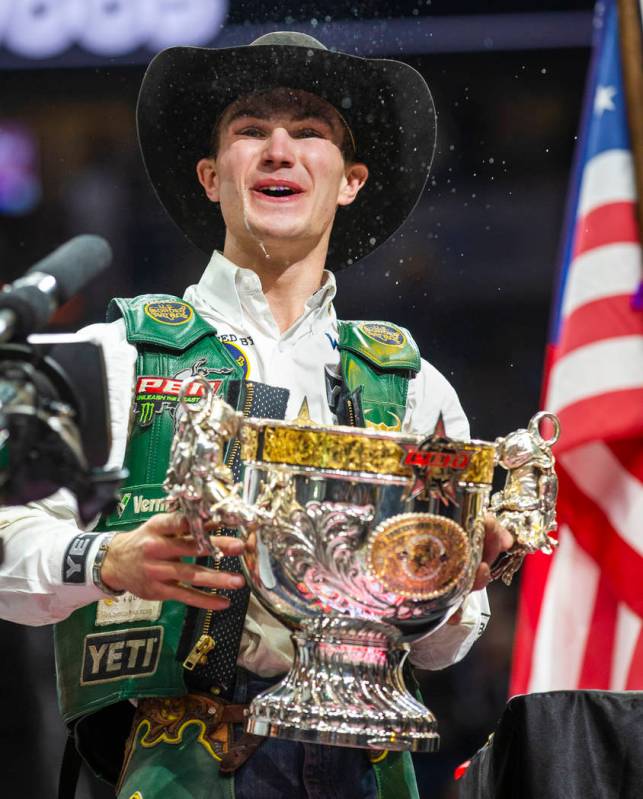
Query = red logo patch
x=432 y=459
x=172 y=387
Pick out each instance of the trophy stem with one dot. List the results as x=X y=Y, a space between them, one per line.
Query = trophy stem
x=346 y=688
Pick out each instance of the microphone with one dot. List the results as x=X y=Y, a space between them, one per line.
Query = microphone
x=27 y=304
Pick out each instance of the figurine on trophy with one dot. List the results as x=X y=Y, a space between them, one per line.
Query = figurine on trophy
x=527 y=504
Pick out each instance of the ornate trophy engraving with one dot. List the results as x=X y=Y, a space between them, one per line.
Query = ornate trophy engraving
x=360 y=541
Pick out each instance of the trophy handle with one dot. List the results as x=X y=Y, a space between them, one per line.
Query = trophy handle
x=199 y=482
x=526 y=506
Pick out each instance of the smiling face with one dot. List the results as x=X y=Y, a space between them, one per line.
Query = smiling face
x=279 y=172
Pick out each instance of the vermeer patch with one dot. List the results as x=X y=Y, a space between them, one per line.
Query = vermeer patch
x=121 y=655
x=169 y=313
x=135 y=505
x=383 y=333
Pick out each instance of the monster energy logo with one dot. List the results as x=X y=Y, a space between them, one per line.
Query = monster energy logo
x=146 y=412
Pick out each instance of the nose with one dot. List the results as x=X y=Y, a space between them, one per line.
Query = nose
x=279 y=148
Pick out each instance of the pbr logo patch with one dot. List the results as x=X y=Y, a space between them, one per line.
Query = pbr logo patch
x=75 y=562
x=383 y=333
x=155 y=394
x=121 y=655
x=438 y=462
x=169 y=313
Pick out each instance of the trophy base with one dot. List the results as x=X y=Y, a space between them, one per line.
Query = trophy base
x=346 y=688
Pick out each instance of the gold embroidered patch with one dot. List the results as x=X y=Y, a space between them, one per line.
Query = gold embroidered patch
x=169 y=313
x=384 y=334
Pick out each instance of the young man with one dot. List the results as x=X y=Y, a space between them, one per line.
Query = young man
x=306 y=159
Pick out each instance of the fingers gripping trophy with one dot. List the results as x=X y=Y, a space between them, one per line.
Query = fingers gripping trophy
x=359 y=541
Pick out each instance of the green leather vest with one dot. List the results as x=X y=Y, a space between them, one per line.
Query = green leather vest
x=101 y=658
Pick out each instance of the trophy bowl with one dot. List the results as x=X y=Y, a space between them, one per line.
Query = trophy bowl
x=360 y=541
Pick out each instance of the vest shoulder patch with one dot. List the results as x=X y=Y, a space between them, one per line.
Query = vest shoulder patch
x=160 y=319
x=382 y=344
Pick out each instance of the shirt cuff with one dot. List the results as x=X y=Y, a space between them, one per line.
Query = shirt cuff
x=449 y=643
x=73 y=559
x=77 y=558
x=47 y=570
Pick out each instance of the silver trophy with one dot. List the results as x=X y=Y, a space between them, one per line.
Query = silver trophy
x=360 y=541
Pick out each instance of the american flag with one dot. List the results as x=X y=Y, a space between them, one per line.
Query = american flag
x=581 y=612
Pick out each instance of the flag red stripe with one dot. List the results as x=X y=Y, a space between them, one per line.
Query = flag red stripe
x=605 y=318
x=614 y=415
x=596 y=669
x=534 y=575
x=606 y=224
x=629 y=452
x=620 y=564
x=634 y=680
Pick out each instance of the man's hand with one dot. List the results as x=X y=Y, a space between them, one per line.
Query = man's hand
x=497 y=539
x=147 y=563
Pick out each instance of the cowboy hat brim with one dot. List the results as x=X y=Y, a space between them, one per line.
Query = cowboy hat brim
x=386 y=104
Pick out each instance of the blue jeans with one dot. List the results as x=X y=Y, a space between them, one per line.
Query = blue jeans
x=290 y=770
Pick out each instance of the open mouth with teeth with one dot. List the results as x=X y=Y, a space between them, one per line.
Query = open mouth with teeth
x=277 y=190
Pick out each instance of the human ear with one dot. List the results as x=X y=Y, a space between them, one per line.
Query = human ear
x=208 y=178
x=355 y=177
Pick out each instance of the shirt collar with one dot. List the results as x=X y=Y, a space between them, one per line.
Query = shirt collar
x=224 y=285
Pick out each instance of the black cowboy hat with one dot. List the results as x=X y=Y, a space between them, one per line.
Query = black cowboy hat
x=386 y=104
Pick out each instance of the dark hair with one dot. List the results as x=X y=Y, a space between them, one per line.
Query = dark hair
x=263 y=103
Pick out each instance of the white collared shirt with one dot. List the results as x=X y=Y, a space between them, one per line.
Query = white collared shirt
x=36 y=537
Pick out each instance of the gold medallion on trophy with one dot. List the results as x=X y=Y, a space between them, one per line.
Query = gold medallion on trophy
x=418 y=555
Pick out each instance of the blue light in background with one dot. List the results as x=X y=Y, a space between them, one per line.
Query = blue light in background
x=20 y=185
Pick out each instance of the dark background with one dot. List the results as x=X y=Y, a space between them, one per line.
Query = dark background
x=470 y=273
